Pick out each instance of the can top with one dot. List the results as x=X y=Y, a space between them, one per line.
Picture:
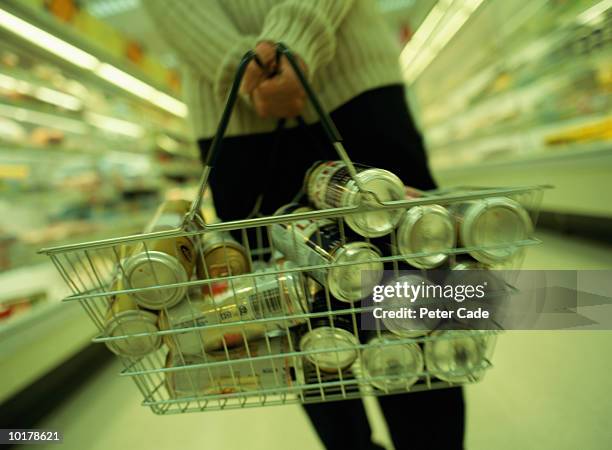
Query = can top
x=495 y=221
x=128 y=323
x=153 y=268
x=340 y=343
x=387 y=187
x=354 y=281
x=426 y=229
x=405 y=326
x=459 y=352
x=215 y=239
x=384 y=357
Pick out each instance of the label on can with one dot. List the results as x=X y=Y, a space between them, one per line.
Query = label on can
x=239 y=374
x=222 y=258
x=327 y=184
x=240 y=300
x=308 y=243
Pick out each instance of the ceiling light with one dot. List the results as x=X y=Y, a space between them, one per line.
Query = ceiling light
x=125 y=81
x=44 y=119
x=87 y=61
x=595 y=12
x=441 y=24
x=47 y=41
x=115 y=126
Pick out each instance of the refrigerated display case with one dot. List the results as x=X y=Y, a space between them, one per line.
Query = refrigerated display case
x=521 y=94
x=80 y=159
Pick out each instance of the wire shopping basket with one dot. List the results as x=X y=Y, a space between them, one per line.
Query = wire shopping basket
x=267 y=310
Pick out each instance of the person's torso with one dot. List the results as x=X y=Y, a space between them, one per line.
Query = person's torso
x=366 y=57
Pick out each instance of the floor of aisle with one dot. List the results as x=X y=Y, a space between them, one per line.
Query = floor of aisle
x=549 y=390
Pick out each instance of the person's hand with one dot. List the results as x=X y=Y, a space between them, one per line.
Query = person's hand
x=281 y=96
x=254 y=74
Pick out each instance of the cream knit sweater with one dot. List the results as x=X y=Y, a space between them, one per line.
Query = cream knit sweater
x=345 y=44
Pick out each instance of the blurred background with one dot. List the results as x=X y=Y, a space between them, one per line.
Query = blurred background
x=93 y=135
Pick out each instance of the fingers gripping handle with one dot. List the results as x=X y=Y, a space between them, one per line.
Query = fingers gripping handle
x=328 y=126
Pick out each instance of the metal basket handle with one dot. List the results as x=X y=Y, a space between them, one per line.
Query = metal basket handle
x=328 y=126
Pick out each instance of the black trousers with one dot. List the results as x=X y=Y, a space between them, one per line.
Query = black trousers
x=378 y=131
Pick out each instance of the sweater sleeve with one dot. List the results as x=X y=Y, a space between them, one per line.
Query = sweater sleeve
x=308 y=28
x=203 y=36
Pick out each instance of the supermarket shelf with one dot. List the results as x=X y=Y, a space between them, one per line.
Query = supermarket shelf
x=39 y=340
x=580 y=177
x=523 y=134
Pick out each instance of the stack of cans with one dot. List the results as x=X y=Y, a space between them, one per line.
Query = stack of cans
x=203 y=299
x=153 y=276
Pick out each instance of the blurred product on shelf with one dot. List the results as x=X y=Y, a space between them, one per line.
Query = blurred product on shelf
x=490 y=226
x=243 y=370
x=6 y=242
x=544 y=84
x=160 y=262
x=598 y=130
x=426 y=229
x=45 y=137
x=311 y=242
x=15 y=307
x=11 y=131
x=330 y=185
x=391 y=365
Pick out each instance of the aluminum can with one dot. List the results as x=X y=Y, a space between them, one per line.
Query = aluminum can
x=221 y=256
x=163 y=261
x=124 y=317
x=309 y=242
x=240 y=374
x=456 y=355
x=390 y=365
x=329 y=185
x=426 y=229
x=405 y=326
x=495 y=221
x=245 y=299
x=333 y=335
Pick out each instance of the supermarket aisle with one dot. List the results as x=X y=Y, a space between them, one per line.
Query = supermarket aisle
x=546 y=392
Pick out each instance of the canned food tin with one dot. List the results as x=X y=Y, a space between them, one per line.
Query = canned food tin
x=329 y=185
x=221 y=256
x=315 y=242
x=456 y=356
x=391 y=365
x=338 y=340
x=426 y=229
x=156 y=263
x=124 y=318
x=496 y=221
x=243 y=299
x=240 y=376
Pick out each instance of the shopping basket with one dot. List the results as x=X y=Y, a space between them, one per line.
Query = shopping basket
x=271 y=335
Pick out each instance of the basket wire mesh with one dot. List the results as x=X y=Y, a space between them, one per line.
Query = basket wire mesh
x=235 y=340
